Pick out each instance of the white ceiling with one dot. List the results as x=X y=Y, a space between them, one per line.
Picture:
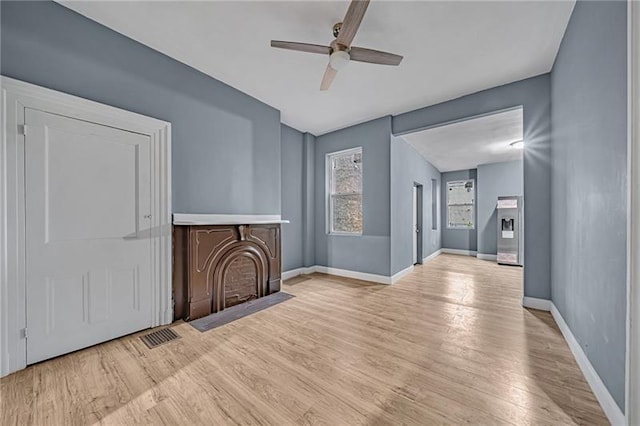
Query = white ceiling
x=450 y=49
x=467 y=144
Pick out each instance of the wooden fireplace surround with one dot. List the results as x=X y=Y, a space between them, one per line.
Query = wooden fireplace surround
x=218 y=266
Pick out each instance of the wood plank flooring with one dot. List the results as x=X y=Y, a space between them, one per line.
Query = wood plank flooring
x=448 y=344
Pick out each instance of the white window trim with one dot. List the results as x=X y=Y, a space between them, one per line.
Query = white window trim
x=473 y=210
x=15 y=97
x=329 y=200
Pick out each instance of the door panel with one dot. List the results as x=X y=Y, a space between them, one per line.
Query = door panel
x=88 y=198
x=76 y=169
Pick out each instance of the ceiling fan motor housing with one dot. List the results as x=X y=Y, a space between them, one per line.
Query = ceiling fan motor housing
x=337 y=47
x=336 y=29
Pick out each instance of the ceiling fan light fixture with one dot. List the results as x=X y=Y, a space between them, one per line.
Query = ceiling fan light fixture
x=339 y=59
x=340 y=50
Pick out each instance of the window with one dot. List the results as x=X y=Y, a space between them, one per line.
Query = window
x=344 y=188
x=460 y=204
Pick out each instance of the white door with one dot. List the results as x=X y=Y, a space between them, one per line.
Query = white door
x=414 y=227
x=88 y=252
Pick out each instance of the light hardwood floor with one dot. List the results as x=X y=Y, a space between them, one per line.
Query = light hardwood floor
x=448 y=344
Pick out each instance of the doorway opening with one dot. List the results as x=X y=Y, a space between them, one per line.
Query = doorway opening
x=478 y=188
x=417 y=224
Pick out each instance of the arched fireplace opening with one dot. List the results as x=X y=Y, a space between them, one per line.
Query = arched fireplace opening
x=219 y=266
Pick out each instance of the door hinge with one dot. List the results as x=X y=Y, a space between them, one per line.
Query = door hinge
x=23 y=333
x=22 y=129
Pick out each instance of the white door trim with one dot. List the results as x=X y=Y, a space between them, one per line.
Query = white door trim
x=632 y=402
x=414 y=226
x=15 y=97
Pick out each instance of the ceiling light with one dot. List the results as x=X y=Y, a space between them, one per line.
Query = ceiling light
x=517 y=144
x=339 y=59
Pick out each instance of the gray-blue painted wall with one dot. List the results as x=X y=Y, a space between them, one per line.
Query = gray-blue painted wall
x=494 y=180
x=370 y=252
x=408 y=167
x=309 y=206
x=293 y=198
x=589 y=184
x=298 y=202
x=225 y=144
x=534 y=96
x=458 y=239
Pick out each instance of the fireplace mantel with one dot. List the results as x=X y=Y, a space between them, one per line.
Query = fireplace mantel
x=225 y=219
x=223 y=260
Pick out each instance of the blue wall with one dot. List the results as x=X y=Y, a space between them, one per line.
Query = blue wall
x=533 y=94
x=589 y=184
x=370 y=252
x=293 y=197
x=408 y=167
x=298 y=203
x=226 y=145
x=308 y=203
x=459 y=239
x=494 y=180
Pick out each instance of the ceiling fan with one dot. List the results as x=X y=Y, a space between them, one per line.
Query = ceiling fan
x=340 y=50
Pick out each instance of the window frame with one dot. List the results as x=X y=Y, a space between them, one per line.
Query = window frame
x=473 y=205
x=329 y=195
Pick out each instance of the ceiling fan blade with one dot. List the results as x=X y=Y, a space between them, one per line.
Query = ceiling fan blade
x=327 y=78
x=301 y=47
x=361 y=54
x=351 y=21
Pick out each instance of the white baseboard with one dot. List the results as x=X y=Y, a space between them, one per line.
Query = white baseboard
x=402 y=273
x=408 y=269
x=381 y=279
x=296 y=272
x=608 y=404
x=291 y=274
x=535 y=303
x=432 y=256
x=483 y=256
x=459 y=252
x=353 y=274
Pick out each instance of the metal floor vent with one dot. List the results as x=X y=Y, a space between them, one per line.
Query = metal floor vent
x=160 y=337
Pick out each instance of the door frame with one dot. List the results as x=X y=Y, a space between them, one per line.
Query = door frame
x=632 y=394
x=419 y=222
x=15 y=97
